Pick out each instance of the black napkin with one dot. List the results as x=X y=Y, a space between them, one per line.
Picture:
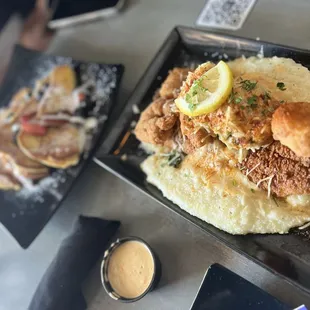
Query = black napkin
x=60 y=287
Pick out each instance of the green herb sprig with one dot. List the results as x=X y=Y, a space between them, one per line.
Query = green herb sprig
x=281 y=86
x=174 y=159
x=192 y=106
x=252 y=101
x=248 y=85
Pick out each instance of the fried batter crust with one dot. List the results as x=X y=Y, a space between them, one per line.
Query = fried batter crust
x=291 y=126
x=157 y=123
x=171 y=86
x=291 y=174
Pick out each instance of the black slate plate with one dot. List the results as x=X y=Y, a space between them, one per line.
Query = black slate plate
x=285 y=255
x=26 y=212
x=222 y=289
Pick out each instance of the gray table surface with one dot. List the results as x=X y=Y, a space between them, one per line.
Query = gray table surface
x=133 y=38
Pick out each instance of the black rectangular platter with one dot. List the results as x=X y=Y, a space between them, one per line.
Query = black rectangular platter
x=284 y=255
x=25 y=213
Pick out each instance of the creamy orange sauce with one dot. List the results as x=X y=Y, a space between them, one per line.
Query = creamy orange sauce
x=130 y=269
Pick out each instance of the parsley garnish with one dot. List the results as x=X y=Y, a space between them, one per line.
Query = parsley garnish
x=234 y=183
x=192 y=106
x=238 y=99
x=282 y=101
x=175 y=159
x=248 y=85
x=281 y=86
x=252 y=190
x=196 y=94
x=232 y=96
x=252 y=100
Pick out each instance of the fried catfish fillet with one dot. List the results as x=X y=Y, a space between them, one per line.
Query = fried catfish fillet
x=158 y=123
x=276 y=168
x=171 y=86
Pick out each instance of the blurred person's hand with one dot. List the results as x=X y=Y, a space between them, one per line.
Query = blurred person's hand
x=34 y=34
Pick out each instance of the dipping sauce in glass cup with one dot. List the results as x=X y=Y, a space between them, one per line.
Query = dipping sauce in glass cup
x=130 y=269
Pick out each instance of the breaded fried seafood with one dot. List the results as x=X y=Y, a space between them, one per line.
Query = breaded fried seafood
x=291 y=126
x=237 y=143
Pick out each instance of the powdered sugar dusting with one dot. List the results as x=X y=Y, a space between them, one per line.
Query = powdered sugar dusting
x=49 y=184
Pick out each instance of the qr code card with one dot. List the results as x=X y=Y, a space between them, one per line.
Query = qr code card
x=225 y=14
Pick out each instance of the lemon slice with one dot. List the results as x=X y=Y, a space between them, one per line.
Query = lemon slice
x=208 y=92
